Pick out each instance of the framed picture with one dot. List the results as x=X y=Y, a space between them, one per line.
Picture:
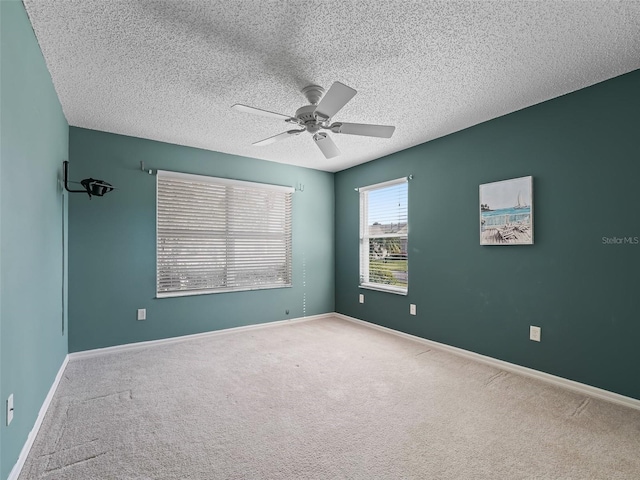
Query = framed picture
x=506 y=212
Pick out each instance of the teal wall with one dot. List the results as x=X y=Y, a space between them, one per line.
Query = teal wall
x=112 y=263
x=583 y=152
x=581 y=149
x=33 y=144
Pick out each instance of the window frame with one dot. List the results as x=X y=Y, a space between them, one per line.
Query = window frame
x=260 y=188
x=364 y=238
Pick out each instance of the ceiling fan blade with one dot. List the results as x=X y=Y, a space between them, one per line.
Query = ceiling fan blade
x=325 y=144
x=364 y=129
x=276 y=138
x=259 y=111
x=336 y=98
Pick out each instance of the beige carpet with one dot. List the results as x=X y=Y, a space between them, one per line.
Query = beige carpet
x=322 y=399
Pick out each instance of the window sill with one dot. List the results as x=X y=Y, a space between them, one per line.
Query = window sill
x=384 y=288
x=189 y=293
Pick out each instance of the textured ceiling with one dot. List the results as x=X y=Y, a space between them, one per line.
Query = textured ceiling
x=171 y=70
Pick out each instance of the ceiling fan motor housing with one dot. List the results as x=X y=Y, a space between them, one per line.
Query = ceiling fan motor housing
x=306 y=117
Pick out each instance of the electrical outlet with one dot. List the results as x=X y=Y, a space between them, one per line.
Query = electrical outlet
x=412 y=309
x=9 y=409
x=142 y=314
x=361 y=298
x=534 y=333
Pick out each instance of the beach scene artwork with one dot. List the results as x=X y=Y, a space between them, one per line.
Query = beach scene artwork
x=506 y=212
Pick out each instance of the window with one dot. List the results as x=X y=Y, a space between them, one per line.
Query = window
x=383 y=236
x=221 y=235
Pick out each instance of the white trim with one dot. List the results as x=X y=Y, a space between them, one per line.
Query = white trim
x=189 y=293
x=17 y=468
x=510 y=367
x=183 y=338
x=364 y=253
x=222 y=181
x=384 y=288
x=388 y=183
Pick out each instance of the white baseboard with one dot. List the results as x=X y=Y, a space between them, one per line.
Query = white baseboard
x=17 y=468
x=164 y=341
x=510 y=367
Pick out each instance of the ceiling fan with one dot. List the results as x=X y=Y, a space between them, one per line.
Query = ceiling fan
x=317 y=116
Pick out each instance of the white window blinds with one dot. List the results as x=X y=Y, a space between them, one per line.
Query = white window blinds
x=221 y=235
x=384 y=228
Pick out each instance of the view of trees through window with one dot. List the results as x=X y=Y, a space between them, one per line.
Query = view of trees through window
x=388 y=261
